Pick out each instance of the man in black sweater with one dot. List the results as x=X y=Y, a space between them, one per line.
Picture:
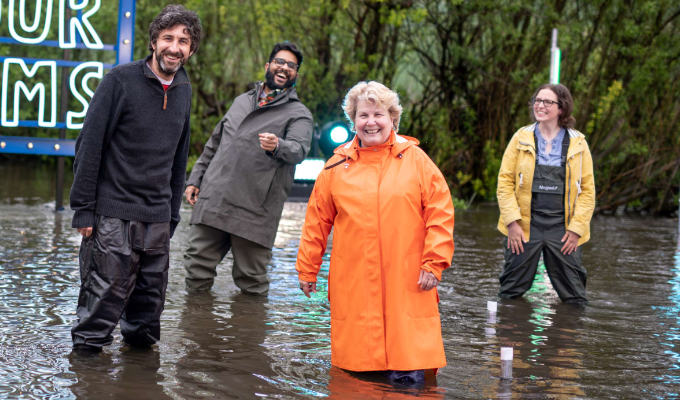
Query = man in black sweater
x=129 y=174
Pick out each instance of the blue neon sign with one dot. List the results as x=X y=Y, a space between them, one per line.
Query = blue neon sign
x=30 y=82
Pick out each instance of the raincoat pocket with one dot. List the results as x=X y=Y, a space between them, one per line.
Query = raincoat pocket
x=423 y=303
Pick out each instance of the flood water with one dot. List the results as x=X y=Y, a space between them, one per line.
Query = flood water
x=624 y=345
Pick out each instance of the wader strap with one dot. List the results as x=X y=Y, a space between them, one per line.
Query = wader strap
x=565 y=147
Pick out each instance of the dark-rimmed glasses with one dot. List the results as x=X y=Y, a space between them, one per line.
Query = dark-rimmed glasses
x=546 y=103
x=281 y=62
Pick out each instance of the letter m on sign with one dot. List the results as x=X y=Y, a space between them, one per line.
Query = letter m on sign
x=12 y=98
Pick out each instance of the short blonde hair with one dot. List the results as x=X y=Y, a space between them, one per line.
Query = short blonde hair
x=376 y=93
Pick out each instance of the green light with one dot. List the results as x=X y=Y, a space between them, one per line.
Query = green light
x=339 y=134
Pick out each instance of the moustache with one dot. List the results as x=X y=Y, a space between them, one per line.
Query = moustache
x=171 y=54
x=282 y=71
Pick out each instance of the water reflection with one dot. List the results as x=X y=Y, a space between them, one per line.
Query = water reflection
x=223 y=345
x=223 y=341
x=108 y=376
x=670 y=338
x=548 y=352
x=348 y=385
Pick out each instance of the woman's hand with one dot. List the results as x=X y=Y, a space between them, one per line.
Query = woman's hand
x=516 y=238
x=427 y=280
x=307 y=287
x=570 y=240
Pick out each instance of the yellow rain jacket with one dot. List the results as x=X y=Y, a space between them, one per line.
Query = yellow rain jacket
x=517 y=173
x=392 y=216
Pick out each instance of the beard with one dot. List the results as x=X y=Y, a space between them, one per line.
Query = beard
x=165 y=68
x=271 y=83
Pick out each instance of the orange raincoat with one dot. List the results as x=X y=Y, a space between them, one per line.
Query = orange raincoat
x=392 y=215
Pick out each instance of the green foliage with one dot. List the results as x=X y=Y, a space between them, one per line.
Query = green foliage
x=464 y=71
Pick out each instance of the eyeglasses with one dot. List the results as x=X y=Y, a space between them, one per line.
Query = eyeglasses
x=546 y=103
x=281 y=62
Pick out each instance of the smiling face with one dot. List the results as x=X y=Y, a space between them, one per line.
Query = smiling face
x=543 y=112
x=372 y=123
x=280 y=75
x=171 y=50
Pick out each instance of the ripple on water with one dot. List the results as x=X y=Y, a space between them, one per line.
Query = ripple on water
x=223 y=344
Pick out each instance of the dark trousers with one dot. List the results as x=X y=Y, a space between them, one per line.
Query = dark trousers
x=124 y=275
x=566 y=272
x=208 y=246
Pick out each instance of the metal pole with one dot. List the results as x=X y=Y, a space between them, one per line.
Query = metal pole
x=126 y=31
x=63 y=108
x=554 y=59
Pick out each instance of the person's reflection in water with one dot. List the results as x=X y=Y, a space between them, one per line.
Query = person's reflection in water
x=224 y=355
x=130 y=373
x=370 y=385
x=547 y=352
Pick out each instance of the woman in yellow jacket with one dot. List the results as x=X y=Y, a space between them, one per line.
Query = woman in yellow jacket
x=392 y=217
x=546 y=196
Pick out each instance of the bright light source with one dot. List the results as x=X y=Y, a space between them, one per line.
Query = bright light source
x=309 y=169
x=333 y=134
x=339 y=134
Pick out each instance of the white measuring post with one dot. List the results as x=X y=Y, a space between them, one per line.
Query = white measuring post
x=506 y=362
x=491 y=307
x=554 y=60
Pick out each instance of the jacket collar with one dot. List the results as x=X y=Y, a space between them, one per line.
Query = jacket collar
x=576 y=142
x=288 y=94
x=179 y=78
x=397 y=145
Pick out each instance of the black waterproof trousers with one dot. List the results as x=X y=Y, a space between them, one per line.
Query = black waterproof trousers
x=566 y=272
x=124 y=275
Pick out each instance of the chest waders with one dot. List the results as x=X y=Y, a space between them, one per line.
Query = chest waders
x=567 y=275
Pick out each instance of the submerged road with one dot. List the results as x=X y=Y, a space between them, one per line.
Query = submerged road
x=625 y=344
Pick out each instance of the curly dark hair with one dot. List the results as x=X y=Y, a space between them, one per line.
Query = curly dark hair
x=564 y=101
x=287 y=46
x=175 y=14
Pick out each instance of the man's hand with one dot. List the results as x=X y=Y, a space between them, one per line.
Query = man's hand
x=570 y=240
x=191 y=194
x=268 y=141
x=516 y=238
x=85 y=232
x=427 y=280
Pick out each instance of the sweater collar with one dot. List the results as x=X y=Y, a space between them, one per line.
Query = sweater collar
x=179 y=78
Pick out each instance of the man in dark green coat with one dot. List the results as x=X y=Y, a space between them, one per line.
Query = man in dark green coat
x=243 y=177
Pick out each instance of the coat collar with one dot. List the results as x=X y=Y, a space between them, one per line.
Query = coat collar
x=397 y=145
x=577 y=140
x=288 y=94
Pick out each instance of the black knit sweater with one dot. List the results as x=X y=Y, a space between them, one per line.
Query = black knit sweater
x=132 y=151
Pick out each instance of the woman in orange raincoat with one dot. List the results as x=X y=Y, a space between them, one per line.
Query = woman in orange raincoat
x=392 y=217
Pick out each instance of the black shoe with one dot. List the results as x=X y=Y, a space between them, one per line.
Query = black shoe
x=83 y=349
x=137 y=344
x=407 y=378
